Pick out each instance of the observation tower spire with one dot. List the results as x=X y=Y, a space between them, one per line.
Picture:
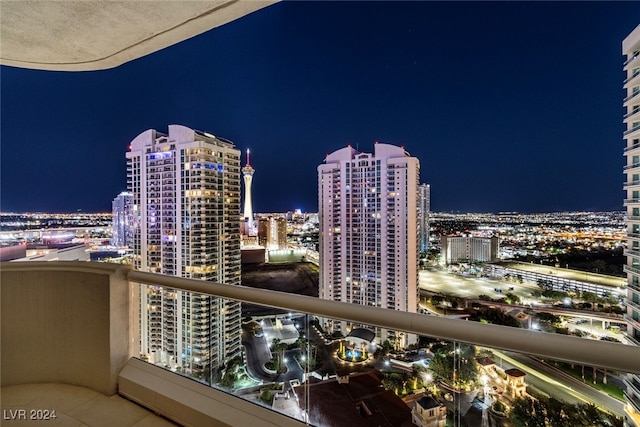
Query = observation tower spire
x=247 y=173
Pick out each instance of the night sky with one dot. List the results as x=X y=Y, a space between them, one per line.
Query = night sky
x=509 y=106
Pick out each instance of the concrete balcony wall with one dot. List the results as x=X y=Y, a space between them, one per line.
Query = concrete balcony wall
x=77 y=323
x=65 y=323
x=191 y=403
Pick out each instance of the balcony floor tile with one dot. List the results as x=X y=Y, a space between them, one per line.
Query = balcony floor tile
x=75 y=406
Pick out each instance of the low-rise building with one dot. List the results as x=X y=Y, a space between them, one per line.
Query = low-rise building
x=352 y=399
x=428 y=412
x=457 y=249
x=516 y=386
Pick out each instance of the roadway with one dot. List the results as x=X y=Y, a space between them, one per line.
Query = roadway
x=558 y=384
x=258 y=354
x=540 y=376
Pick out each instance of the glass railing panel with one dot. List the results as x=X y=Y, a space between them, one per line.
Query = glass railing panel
x=325 y=371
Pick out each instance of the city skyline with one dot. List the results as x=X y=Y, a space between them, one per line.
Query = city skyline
x=505 y=110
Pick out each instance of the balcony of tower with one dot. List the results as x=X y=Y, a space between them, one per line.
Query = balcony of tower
x=632 y=99
x=633 y=79
x=633 y=145
x=632 y=61
x=633 y=132
x=632 y=252
x=632 y=114
x=631 y=167
x=134 y=369
x=633 y=304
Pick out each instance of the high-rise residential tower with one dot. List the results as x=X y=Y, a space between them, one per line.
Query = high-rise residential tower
x=368 y=214
x=424 y=208
x=272 y=233
x=631 y=49
x=186 y=192
x=123 y=220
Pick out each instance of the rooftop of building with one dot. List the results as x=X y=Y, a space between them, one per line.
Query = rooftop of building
x=514 y=372
x=428 y=402
x=564 y=273
x=485 y=361
x=362 y=333
x=356 y=399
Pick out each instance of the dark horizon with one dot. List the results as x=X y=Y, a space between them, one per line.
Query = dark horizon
x=516 y=107
x=108 y=212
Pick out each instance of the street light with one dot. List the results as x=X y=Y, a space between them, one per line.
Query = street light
x=534 y=326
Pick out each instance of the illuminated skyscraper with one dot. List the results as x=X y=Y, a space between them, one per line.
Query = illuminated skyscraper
x=368 y=213
x=123 y=221
x=247 y=174
x=186 y=192
x=631 y=103
x=424 y=208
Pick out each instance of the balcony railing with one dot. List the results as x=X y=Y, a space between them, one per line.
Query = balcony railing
x=633 y=112
x=630 y=131
x=633 y=95
x=632 y=252
x=630 y=269
x=631 y=59
x=634 y=146
x=633 y=304
x=94 y=346
x=633 y=76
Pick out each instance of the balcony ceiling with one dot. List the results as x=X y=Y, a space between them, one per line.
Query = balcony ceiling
x=95 y=35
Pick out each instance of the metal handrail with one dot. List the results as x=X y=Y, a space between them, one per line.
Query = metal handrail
x=608 y=355
x=631 y=113
x=633 y=95
x=631 y=166
x=633 y=147
x=629 y=60
x=633 y=129
x=633 y=76
x=603 y=354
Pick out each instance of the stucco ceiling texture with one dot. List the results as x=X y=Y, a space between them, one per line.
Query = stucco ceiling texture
x=95 y=35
